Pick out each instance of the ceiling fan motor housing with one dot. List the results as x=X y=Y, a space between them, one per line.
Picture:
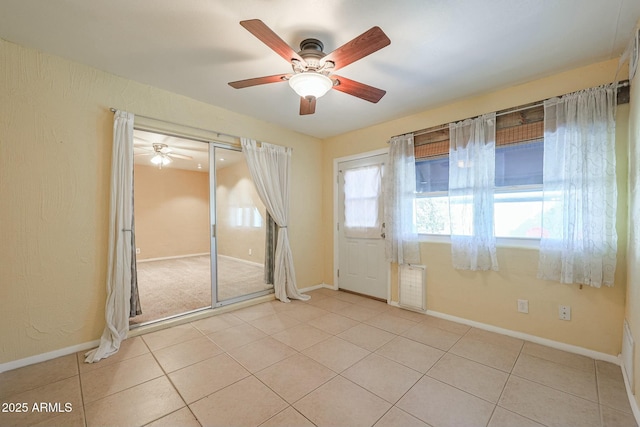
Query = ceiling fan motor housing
x=158 y=147
x=311 y=52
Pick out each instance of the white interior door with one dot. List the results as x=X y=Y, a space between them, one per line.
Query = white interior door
x=361 y=261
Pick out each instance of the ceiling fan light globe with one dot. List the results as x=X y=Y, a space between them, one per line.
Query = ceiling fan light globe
x=160 y=159
x=310 y=84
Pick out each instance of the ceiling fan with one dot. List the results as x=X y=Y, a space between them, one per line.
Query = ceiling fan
x=313 y=69
x=162 y=154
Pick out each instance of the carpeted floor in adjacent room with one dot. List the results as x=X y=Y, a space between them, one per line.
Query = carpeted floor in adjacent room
x=175 y=286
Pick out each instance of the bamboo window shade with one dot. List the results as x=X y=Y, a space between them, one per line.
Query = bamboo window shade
x=525 y=125
x=513 y=126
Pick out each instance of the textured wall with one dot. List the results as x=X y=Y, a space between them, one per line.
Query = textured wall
x=172 y=212
x=237 y=202
x=490 y=297
x=633 y=253
x=55 y=154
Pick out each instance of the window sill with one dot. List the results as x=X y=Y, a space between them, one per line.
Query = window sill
x=501 y=242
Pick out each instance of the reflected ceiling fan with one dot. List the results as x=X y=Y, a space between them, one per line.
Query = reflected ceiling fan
x=162 y=154
x=313 y=69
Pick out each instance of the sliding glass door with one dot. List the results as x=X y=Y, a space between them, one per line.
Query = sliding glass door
x=199 y=227
x=238 y=230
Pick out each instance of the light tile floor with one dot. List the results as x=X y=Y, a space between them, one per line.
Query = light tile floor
x=336 y=360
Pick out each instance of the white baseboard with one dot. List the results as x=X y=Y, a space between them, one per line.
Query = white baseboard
x=43 y=357
x=15 y=364
x=524 y=336
x=528 y=337
x=167 y=258
x=632 y=399
x=549 y=343
x=241 y=260
x=313 y=288
x=171 y=257
x=396 y=304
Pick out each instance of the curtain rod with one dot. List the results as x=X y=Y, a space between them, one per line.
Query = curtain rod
x=624 y=83
x=219 y=134
x=502 y=113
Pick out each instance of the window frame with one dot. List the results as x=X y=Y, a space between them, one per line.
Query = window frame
x=506 y=241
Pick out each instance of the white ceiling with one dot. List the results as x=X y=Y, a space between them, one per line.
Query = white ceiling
x=197 y=151
x=441 y=50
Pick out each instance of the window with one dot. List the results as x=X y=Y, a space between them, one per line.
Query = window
x=518 y=178
x=362 y=201
x=432 y=199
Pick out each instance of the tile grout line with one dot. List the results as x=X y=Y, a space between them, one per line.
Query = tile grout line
x=252 y=374
x=127 y=388
x=510 y=373
x=393 y=405
x=166 y=375
x=597 y=401
x=595 y=367
x=200 y=361
x=289 y=405
x=337 y=374
x=84 y=409
x=398 y=335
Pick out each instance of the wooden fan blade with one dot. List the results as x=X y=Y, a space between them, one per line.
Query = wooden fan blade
x=259 y=81
x=363 y=45
x=360 y=90
x=307 y=105
x=271 y=39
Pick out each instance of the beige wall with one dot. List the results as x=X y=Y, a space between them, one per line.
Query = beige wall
x=234 y=191
x=632 y=312
x=55 y=154
x=490 y=297
x=172 y=212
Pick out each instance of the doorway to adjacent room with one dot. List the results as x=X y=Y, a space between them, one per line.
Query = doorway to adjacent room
x=199 y=227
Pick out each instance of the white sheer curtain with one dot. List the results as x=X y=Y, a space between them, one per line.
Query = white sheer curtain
x=401 y=239
x=579 y=241
x=471 y=184
x=362 y=202
x=120 y=229
x=270 y=168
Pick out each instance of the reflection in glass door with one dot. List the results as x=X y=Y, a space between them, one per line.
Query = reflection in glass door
x=171 y=207
x=199 y=227
x=239 y=229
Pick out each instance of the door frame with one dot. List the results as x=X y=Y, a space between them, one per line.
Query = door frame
x=336 y=213
x=213 y=219
x=214 y=140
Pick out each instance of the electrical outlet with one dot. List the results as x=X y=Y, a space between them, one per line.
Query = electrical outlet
x=250 y=251
x=564 y=312
x=137 y=251
x=523 y=306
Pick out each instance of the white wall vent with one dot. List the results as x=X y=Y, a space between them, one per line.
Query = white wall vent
x=628 y=350
x=412 y=287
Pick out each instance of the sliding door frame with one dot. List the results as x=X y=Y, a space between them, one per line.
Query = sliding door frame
x=213 y=146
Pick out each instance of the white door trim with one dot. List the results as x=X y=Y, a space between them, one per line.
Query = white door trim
x=336 y=214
